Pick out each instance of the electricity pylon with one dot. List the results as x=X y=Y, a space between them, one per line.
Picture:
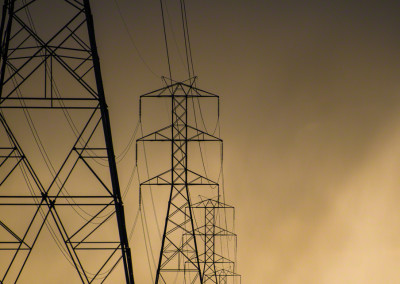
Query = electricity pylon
x=212 y=229
x=58 y=173
x=177 y=256
x=187 y=253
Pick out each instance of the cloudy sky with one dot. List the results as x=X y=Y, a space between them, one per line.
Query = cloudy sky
x=309 y=117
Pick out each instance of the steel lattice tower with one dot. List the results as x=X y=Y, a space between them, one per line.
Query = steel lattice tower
x=73 y=192
x=187 y=253
x=217 y=267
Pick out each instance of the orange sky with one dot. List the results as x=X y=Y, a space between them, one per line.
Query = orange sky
x=310 y=102
x=309 y=118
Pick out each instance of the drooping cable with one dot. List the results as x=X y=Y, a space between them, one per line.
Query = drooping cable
x=224 y=201
x=185 y=40
x=166 y=41
x=188 y=39
x=62 y=249
x=134 y=224
x=186 y=36
x=203 y=157
x=57 y=92
x=25 y=175
x=130 y=180
x=151 y=192
x=178 y=50
x=72 y=126
x=132 y=40
x=148 y=233
x=68 y=118
x=203 y=121
x=51 y=169
x=191 y=74
x=53 y=235
x=122 y=155
x=147 y=243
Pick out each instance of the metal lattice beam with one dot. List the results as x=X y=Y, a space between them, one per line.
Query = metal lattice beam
x=47 y=74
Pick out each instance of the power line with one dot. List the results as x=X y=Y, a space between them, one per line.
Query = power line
x=148 y=176
x=186 y=36
x=166 y=41
x=132 y=40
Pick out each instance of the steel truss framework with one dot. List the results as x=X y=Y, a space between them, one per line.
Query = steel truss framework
x=181 y=258
x=217 y=268
x=86 y=218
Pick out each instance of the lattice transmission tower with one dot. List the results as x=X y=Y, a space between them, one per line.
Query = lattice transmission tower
x=197 y=244
x=57 y=165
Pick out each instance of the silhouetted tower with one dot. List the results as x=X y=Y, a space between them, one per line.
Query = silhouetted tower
x=218 y=242
x=178 y=255
x=59 y=172
x=192 y=228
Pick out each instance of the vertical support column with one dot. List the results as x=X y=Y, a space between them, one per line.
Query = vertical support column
x=126 y=252
x=5 y=38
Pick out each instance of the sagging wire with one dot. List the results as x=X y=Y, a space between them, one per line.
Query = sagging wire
x=44 y=154
x=69 y=120
x=146 y=235
x=166 y=41
x=130 y=180
x=173 y=34
x=145 y=228
x=40 y=209
x=217 y=126
x=150 y=189
x=52 y=171
x=122 y=155
x=119 y=158
x=141 y=212
x=65 y=110
x=132 y=40
x=188 y=49
x=191 y=73
x=134 y=224
x=201 y=151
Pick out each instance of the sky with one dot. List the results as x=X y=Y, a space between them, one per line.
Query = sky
x=309 y=119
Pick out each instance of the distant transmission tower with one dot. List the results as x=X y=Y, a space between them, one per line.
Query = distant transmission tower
x=197 y=246
x=212 y=229
x=58 y=170
x=177 y=255
x=195 y=236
